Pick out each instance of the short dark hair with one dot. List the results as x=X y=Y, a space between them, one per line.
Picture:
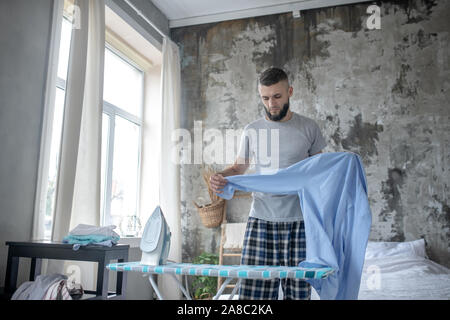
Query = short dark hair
x=272 y=76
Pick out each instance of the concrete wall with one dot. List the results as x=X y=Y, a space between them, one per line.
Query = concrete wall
x=380 y=93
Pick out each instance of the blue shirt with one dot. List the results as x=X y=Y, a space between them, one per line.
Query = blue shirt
x=332 y=189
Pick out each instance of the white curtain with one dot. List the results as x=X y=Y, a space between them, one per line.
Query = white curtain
x=47 y=126
x=78 y=187
x=169 y=179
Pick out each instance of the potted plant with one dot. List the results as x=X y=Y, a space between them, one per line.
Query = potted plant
x=205 y=287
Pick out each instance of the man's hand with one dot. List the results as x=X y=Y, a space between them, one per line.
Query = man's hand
x=217 y=182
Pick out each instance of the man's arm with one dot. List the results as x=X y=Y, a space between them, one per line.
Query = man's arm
x=218 y=181
x=241 y=165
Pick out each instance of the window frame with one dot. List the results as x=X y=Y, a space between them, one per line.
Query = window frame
x=112 y=111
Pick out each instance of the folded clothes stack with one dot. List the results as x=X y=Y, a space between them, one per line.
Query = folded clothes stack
x=84 y=234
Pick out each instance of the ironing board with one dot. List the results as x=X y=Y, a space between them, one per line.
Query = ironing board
x=227 y=271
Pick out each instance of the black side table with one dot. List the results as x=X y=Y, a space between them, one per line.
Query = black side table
x=38 y=250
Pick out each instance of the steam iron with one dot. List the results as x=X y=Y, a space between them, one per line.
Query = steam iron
x=155 y=242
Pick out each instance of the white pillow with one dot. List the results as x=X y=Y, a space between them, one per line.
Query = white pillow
x=409 y=248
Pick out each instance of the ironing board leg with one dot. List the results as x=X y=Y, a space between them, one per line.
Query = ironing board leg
x=222 y=288
x=181 y=287
x=155 y=287
x=238 y=283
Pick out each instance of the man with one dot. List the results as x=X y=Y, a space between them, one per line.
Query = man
x=275 y=232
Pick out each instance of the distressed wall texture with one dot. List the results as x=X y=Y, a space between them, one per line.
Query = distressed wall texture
x=383 y=94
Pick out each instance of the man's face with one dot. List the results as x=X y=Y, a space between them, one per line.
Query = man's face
x=275 y=98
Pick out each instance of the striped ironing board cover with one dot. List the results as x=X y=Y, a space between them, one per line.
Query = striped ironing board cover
x=226 y=271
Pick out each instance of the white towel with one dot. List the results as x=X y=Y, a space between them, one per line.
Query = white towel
x=87 y=230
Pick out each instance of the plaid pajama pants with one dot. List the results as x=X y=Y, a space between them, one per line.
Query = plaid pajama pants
x=277 y=244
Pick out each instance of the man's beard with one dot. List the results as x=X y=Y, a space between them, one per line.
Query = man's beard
x=281 y=115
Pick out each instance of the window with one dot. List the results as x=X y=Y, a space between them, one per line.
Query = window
x=125 y=86
x=122 y=120
x=121 y=135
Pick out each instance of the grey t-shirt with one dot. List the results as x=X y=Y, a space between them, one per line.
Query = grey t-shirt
x=273 y=145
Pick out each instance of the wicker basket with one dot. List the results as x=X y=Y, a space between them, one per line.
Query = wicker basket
x=211 y=214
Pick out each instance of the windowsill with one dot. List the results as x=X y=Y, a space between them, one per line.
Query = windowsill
x=133 y=242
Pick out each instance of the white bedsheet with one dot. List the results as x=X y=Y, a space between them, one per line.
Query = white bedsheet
x=402 y=277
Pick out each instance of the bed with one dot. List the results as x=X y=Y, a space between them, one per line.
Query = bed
x=401 y=271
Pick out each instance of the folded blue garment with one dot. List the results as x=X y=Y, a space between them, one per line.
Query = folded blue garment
x=83 y=240
x=332 y=189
